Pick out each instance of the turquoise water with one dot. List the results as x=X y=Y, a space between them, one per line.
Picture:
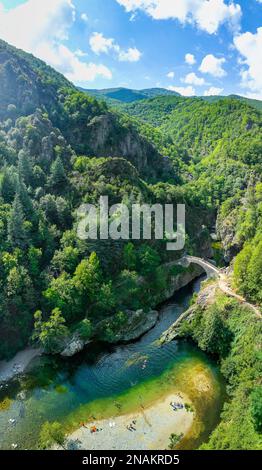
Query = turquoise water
x=105 y=381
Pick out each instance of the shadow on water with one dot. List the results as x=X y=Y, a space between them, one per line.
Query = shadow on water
x=105 y=381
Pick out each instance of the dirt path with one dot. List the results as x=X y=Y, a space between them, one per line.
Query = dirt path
x=224 y=286
x=223 y=281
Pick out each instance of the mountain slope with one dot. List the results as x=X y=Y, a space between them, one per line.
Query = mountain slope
x=126 y=95
x=199 y=125
x=49 y=133
x=28 y=84
x=257 y=104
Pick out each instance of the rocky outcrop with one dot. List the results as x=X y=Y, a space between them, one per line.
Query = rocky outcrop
x=206 y=297
x=181 y=280
x=139 y=323
x=23 y=87
x=107 y=136
x=74 y=345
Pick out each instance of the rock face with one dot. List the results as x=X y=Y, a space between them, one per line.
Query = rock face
x=22 y=82
x=138 y=324
x=106 y=136
x=74 y=345
x=205 y=297
x=182 y=280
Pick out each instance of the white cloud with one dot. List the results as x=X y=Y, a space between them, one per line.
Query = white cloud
x=190 y=59
x=250 y=46
x=40 y=27
x=207 y=15
x=193 y=79
x=131 y=55
x=80 y=53
x=35 y=21
x=185 y=91
x=171 y=75
x=213 y=66
x=100 y=44
x=84 y=17
x=66 y=61
x=213 y=91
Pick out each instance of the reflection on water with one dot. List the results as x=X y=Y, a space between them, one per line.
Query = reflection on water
x=103 y=381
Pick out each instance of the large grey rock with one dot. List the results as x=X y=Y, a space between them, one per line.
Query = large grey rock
x=205 y=297
x=182 y=280
x=74 y=345
x=137 y=325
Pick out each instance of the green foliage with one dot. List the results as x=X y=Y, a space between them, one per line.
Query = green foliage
x=51 y=434
x=16 y=225
x=149 y=260
x=25 y=168
x=174 y=440
x=85 y=329
x=256 y=408
x=130 y=257
x=8 y=185
x=58 y=179
x=248 y=270
x=51 y=333
x=237 y=348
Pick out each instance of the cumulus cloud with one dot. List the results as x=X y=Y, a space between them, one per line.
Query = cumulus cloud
x=40 y=27
x=193 y=79
x=68 y=63
x=184 y=91
x=207 y=15
x=80 y=53
x=100 y=44
x=190 y=59
x=171 y=75
x=249 y=45
x=213 y=66
x=213 y=91
x=131 y=55
x=84 y=17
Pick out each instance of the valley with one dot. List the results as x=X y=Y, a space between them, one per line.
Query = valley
x=96 y=308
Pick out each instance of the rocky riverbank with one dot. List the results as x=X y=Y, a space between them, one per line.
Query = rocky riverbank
x=148 y=428
x=17 y=365
x=206 y=297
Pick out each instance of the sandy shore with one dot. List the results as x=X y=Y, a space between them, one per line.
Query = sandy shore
x=17 y=365
x=153 y=425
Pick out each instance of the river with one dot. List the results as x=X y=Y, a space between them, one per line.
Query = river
x=103 y=381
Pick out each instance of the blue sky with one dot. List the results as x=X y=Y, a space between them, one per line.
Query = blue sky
x=195 y=47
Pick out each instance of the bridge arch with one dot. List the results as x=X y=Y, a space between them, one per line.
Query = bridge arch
x=211 y=270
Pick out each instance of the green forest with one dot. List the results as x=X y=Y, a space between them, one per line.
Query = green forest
x=61 y=147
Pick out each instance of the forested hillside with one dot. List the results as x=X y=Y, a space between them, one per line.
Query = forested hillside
x=59 y=148
x=125 y=95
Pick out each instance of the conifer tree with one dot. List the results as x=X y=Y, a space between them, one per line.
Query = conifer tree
x=16 y=231
x=24 y=168
x=25 y=201
x=58 y=177
x=8 y=186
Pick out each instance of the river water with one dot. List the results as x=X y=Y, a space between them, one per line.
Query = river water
x=106 y=381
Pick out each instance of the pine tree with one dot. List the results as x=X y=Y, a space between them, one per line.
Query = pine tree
x=8 y=186
x=26 y=202
x=15 y=229
x=58 y=177
x=25 y=168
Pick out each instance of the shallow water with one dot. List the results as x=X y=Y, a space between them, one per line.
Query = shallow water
x=106 y=381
